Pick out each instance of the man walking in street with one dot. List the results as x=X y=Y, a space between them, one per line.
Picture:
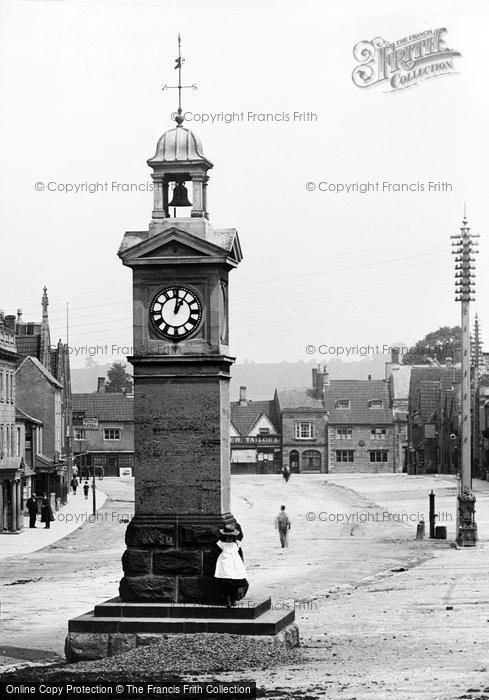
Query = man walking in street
x=74 y=484
x=31 y=505
x=86 y=489
x=282 y=524
x=286 y=473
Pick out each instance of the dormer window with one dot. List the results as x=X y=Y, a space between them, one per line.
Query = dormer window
x=375 y=403
x=342 y=403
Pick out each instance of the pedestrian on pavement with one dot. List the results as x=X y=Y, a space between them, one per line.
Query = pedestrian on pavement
x=86 y=489
x=47 y=516
x=31 y=505
x=230 y=569
x=286 y=472
x=74 y=484
x=282 y=524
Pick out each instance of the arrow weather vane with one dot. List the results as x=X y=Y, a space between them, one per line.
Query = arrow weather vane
x=179 y=118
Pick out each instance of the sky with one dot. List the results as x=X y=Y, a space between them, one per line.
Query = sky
x=81 y=103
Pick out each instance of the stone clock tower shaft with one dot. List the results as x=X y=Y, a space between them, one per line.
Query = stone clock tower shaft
x=181 y=381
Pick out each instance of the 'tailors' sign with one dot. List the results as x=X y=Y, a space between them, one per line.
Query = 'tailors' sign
x=403 y=63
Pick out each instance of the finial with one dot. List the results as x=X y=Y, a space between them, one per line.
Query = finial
x=44 y=301
x=179 y=116
x=465 y=220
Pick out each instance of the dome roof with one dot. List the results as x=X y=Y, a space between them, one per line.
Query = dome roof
x=179 y=145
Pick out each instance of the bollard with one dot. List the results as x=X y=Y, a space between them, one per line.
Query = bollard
x=420 y=530
x=432 y=515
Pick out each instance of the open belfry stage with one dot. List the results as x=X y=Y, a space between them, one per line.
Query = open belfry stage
x=181 y=367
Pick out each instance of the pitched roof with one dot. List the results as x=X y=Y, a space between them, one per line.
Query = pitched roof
x=244 y=417
x=22 y=415
x=428 y=384
x=105 y=407
x=41 y=369
x=299 y=399
x=359 y=392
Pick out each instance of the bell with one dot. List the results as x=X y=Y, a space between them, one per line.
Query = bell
x=180 y=196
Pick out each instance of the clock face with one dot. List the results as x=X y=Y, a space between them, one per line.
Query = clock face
x=175 y=312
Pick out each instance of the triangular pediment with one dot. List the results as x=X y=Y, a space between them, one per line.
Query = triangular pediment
x=175 y=243
x=171 y=249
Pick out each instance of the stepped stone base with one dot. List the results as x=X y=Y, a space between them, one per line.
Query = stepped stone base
x=115 y=626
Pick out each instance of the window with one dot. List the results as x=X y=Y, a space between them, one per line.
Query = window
x=113 y=460
x=39 y=439
x=344 y=433
x=378 y=434
x=342 y=403
x=7 y=441
x=375 y=403
x=11 y=387
x=1 y=385
x=304 y=430
x=79 y=434
x=344 y=456
x=112 y=433
x=378 y=456
x=19 y=443
x=311 y=461
x=264 y=431
x=7 y=390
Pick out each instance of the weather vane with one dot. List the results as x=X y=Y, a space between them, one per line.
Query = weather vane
x=179 y=118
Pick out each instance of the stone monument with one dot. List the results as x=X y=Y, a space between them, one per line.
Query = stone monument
x=181 y=367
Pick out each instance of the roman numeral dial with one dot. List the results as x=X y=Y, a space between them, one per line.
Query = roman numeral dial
x=175 y=312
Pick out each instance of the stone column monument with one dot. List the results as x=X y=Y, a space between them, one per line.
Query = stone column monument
x=181 y=410
x=181 y=384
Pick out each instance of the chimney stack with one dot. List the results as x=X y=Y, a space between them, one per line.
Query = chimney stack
x=320 y=379
x=101 y=385
x=395 y=355
x=9 y=322
x=449 y=361
x=242 y=396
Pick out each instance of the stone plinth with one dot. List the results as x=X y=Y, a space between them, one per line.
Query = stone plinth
x=172 y=558
x=114 y=627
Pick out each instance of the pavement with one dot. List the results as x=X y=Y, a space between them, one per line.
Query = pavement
x=67 y=519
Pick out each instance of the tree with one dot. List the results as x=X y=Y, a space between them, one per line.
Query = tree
x=118 y=380
x=440 y=344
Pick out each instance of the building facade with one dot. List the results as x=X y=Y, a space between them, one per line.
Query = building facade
x=12 y=467
x=103 y=432
x=34 y=340
x=39 y=401
x=360 y=426
x=255 y=437
x=303 y=422
x=398 y=377
x=434 y=419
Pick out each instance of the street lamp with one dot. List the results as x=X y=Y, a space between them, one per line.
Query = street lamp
x=464 y=249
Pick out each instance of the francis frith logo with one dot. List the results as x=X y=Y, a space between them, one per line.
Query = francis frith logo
x=405 y=62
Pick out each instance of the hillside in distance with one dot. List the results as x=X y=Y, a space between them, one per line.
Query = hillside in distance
x=260 y=379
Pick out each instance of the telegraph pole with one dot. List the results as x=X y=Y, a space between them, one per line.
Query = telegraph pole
x=477 y=372
x=464 y=249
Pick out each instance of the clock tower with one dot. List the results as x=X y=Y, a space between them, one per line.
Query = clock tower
x=181 y=362
x=181 y=381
